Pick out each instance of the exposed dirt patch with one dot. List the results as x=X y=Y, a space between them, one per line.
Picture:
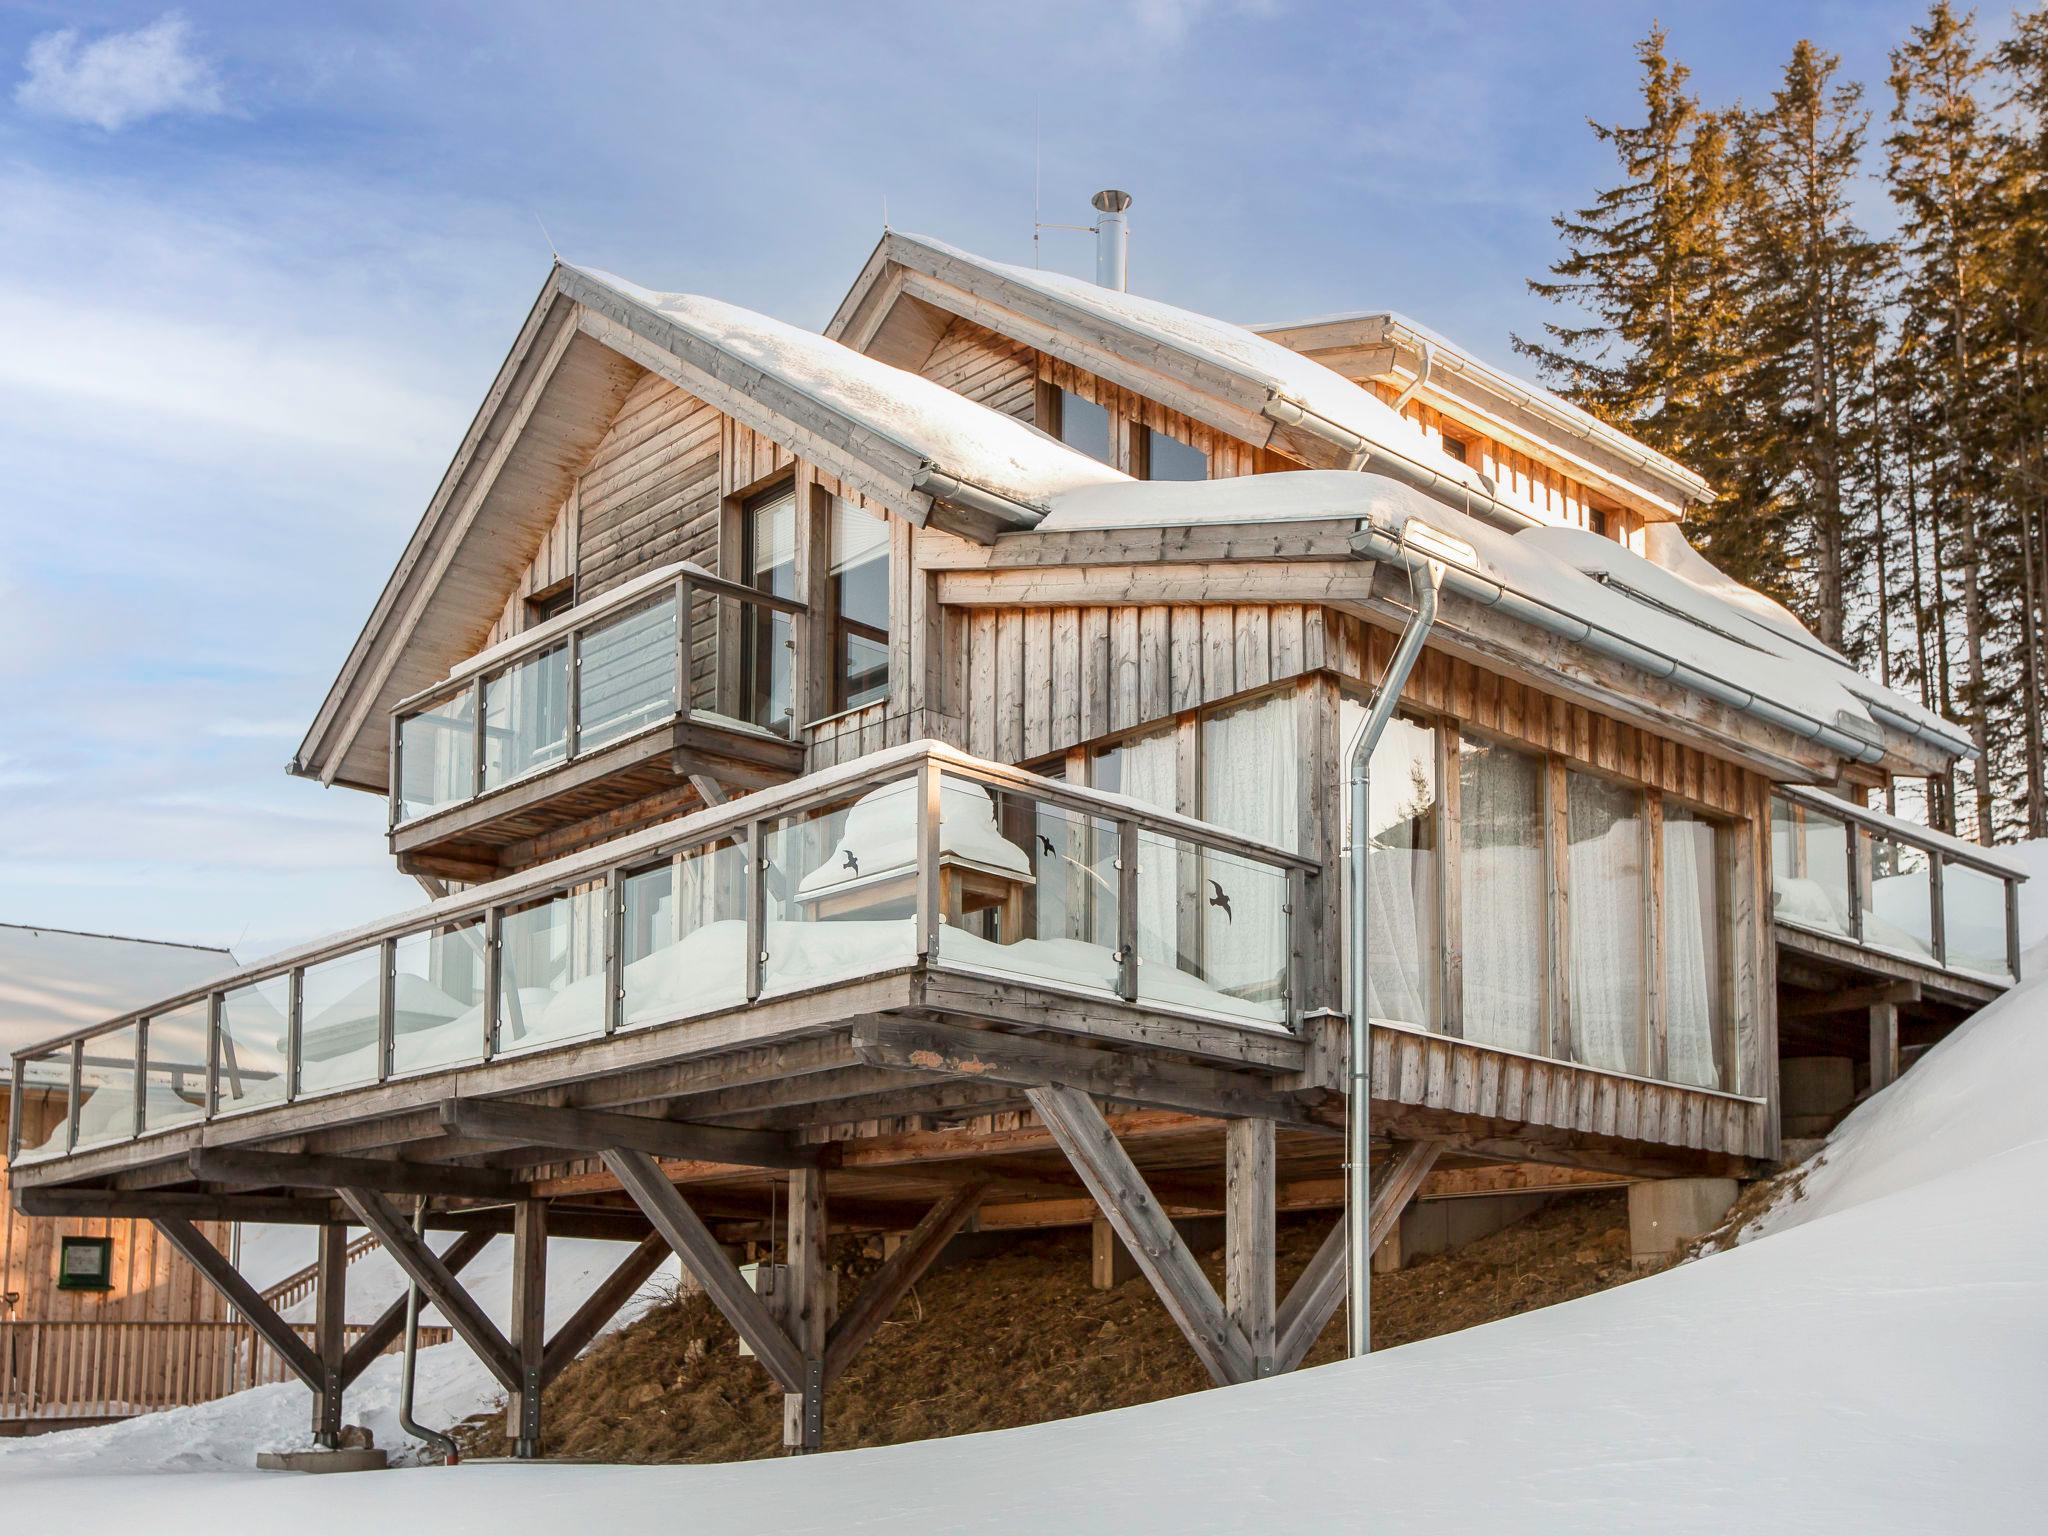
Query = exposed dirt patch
x=1019 y=1337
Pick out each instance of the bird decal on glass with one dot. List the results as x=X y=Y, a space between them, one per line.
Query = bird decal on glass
x=1220 y=899
x=851 y=862
x=1046 y=843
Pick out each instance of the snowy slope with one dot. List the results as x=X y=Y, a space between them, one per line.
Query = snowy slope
x=1878 y=1364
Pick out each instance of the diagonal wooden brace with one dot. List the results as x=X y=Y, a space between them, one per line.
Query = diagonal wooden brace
x=603 y=1304
x=391 y=1321
x=1128 y=1205
x=245 y=1299
x=424 y=1267
x=1320 y=1290
x=660 y=1202
x=887 y=1287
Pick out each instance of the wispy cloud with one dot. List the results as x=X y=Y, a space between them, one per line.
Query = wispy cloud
x=121 y=78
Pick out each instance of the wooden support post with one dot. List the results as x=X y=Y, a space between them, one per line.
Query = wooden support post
x=1884 y=1045
x=529 y=1321
x=887 y=1287
x=1319 y=1292
x=421 y=1264
x=1250 y=1226
x=330 y=1311
x=1109 y=1262
x=803 y=1412
x=684 y=1231
x=1125 y=1200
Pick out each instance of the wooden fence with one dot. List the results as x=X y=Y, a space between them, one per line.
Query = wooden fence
x=71 y=1370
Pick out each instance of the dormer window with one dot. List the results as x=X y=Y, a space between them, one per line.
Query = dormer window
x=1164 y=457
x=550 y=602
x=1083 y=426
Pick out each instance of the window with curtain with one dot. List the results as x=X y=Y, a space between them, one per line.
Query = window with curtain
x=1402 y=868
x=1695 y=949
x=1251 y=785
x=768 y=559
x=1604 y=829
x=859 y=597
x=1145 y=768
x=1503 y=908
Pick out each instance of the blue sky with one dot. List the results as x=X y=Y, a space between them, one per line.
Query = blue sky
x=259 y=262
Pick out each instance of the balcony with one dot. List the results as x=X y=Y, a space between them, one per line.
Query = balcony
x=914 y=882
x=1882 y=897
x=606 y=712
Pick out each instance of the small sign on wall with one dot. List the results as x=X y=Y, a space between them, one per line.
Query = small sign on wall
x=85 y=1264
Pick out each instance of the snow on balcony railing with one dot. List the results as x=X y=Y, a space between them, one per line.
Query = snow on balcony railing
x=916 y=855
x=673 y=643
x=1884 y=884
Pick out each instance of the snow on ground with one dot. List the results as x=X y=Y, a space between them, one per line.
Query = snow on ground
x=1878 y=1362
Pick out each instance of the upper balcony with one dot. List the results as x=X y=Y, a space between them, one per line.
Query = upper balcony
x=1864 y=893
x=619 y=702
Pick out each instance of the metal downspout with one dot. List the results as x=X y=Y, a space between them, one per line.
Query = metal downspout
x=1424 y=578
x=450 y=1454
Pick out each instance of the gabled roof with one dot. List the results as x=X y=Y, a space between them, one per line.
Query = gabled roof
x=53 y=980
x=1234 y=379
x=909 y=444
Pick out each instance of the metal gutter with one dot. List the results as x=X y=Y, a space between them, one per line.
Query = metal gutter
x=940 y=486
x=1375 y=542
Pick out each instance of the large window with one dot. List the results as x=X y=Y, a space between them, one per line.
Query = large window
x=1402 y=896
x=767 y=651
x=1605 y=885
x=859 y=600
x=1503 y=911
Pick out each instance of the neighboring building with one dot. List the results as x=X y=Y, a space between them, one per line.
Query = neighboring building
x=117 y=1332
x=896 y=778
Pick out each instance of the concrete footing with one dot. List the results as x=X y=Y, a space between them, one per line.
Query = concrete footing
x=321 y=1461
x=1666 y=1214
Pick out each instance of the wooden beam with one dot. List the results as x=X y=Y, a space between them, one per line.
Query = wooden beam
x=299 y=1171
x=1250 y=1233
x=1319 y=1290
x=1849 y=1000
x=1148 y=1079
x=411 y=1253
x=244 y=1298
x=603 y=1304
x=529 y=1321
x=148 y=1205
x=391 y=1321
x=887 y=1287
x=1120 y=1190
x=803 y=1411
x=701 y=1254
x=589 y=1130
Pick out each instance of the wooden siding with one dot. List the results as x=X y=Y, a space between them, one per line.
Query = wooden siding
x=555 y=563
x=999 y=373
x=650 y=493
x=152 y=1284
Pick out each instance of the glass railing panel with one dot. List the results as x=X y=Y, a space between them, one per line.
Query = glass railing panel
x=551 y=970
x=437 y=756
x=254 y=1043
x=45 y=1107
x=338 y=1035
x=742 y=662
x=1029 y=888
x=106 y=1089
x=526 y=716
x=1897 y=896
x=1212 y=931
x=684 y=932
x=1973 y=920
x=174 y=1068
x=437 y=998
x=1809 y=867
x=840 y=889
x=626 y=674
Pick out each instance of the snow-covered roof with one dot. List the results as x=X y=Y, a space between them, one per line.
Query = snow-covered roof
x=1592 y=579
x=53 y=981
x=958 y=436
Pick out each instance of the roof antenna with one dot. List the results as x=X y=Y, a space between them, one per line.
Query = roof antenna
x=1037 y=176
x=885 y=213
x=547 y=237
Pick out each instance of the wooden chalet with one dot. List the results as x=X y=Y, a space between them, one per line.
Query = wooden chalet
x=894 y=779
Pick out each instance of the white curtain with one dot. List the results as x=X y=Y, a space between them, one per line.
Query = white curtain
x=1692 y=949
x=1402 y=869
x=1149 y=771
x=1605 y=878
x=1250 y=785
x=1503 y=914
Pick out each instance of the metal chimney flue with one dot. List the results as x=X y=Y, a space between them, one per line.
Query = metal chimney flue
x=1112 y=239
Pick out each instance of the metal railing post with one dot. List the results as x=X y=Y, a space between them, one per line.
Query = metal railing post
x=141 y=1072
x=18 y=1069
x=1297 y=960
x=71 y=1105
x=1127 y=910
x=213 y=1028
x=387 y=1006
x=929 y=814
x=1855 y=866
x=757 y=909
x=685 y=600
x=395 y=799
x=476 y=725
x=2012 y=927
x=1937 y=907
x=294 y=1030
x=614 y=950
x=494 y=975
x=572 y=736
